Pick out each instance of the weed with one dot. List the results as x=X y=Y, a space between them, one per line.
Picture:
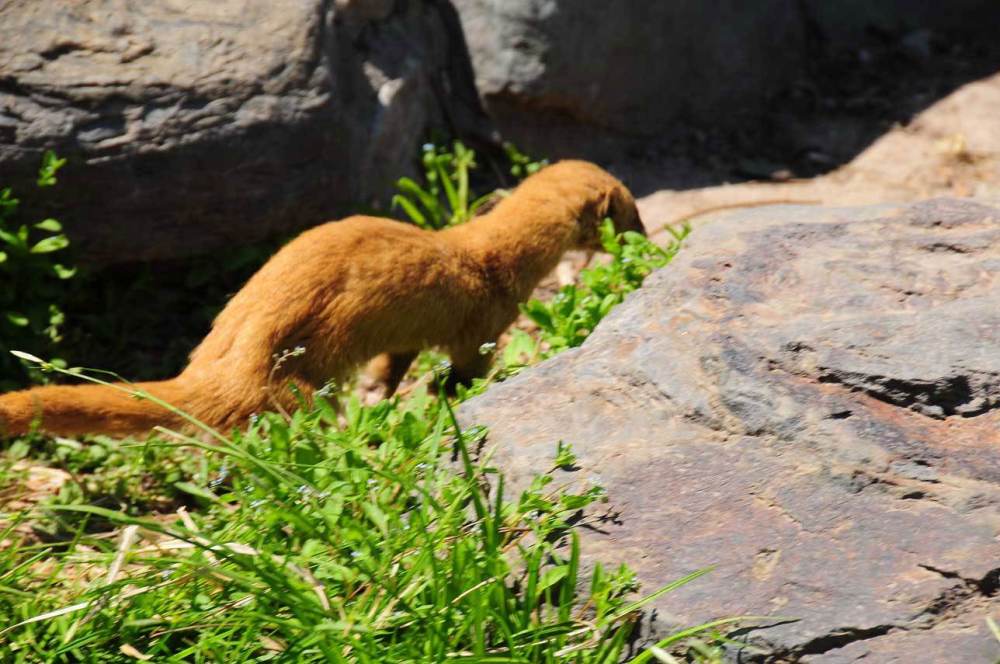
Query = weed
x=575 y=311
x=445 y=197
x=335 y=534
x=30 y=302
x=521 y=165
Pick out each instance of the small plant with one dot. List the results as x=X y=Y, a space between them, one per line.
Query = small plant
x=574 y=312
x=334 y=534
x=521 y=165
x=445 y=198
x=30 y=313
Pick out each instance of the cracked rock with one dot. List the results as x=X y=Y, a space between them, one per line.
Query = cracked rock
x=808 y=399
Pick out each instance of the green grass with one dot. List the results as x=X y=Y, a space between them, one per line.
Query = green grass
x=308 y=539
x=312 y=541
x=569 y=318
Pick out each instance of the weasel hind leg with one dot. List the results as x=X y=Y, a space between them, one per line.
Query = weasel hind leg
x=384 y=373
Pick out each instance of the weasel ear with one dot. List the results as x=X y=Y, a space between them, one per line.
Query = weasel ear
x=604 y=206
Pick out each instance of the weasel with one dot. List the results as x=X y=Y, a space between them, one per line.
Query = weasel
x=350 y=290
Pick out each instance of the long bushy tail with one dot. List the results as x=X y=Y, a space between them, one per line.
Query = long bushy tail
x=70 y=410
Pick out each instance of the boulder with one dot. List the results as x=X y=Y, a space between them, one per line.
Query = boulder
x=572 y=77
x=851 y=22
x=809 y=400
x=192 y=125
x=631 y=66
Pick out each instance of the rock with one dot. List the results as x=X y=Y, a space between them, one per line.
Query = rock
x=572 y=77
x=188 y=127
x=950 y=149
x=852 y=21
x=809 y=399
x=631 y=66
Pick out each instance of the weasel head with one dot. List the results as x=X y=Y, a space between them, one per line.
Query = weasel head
x=618 y=205
x=605 y=197
x=615 y=203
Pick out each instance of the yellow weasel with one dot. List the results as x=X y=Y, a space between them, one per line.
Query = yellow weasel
x=347 y=291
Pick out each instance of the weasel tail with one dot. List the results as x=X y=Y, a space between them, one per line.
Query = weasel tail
x=347 y=291
x=71 y=410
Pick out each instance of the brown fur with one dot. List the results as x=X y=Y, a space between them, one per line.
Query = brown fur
x=347 y=291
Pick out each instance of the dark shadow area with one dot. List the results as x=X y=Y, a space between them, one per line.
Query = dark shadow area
x=141 y=320
x=843 y=101
x=848 y=99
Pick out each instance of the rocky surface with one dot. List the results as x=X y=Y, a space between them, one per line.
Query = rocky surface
x=564 y=77
x=849 y=21
x=950 y=149
x=809 y=399
x=632 y=66
x=190 y=126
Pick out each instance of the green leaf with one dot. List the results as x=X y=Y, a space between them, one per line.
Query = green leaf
x=27 y=357
x=50 y=164
x=521 y=348
x=197 y=491
x=450 y=192
x=608 y=238
x=608 y=303
x=49 y=225
x=410 y=209
x=550 y=578
x=17 y=319
x=62 y=271
x=50 y=244
x=11 y=239
x=565 y=458
x=538 y=312
x=428 y=199
x=673 y=585
x=411 y=187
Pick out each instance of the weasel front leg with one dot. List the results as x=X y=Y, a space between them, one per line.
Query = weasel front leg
x=467 y=363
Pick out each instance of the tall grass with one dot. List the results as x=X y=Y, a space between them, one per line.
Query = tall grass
x=375 y=539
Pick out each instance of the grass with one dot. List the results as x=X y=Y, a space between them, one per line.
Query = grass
x=341 y=533
x=445 y=197
x=307 y=540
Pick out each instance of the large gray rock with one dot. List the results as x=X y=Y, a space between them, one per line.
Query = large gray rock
x=808 y=398
x=848 y=22
x=592 y=77
x=633 y=66
x=192 y=125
